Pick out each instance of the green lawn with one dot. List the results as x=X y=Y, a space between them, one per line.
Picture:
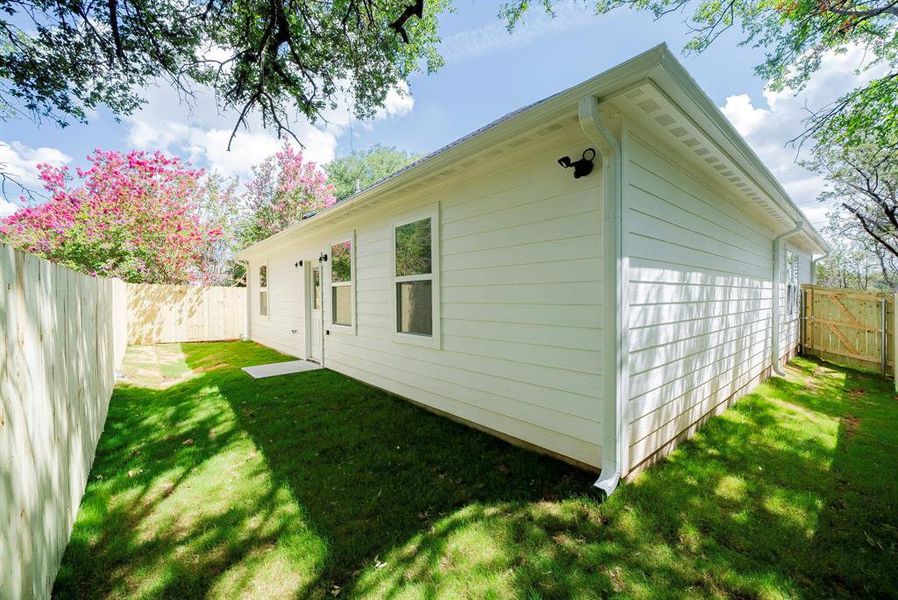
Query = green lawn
x=315 y=485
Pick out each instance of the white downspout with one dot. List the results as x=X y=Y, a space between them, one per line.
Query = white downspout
x=814 y=262
x=249 y=311
x=777 y=277
x=615 y=347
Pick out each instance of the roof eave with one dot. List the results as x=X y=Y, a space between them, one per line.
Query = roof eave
x=722 y=129
x=657 y=64
x=605 y=83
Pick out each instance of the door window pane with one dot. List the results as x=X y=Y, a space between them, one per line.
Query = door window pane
x=316 y=288
x=414 y=307
x=413 y=248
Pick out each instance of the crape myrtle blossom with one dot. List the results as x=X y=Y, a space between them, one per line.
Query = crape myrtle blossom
x=135 y=216
x=283 y=189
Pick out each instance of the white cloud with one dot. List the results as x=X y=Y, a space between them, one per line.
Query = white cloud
x=494 y=37
x=200 y=132
x=399 y=102
x=7 y=207
x=744 y=117
x=20 y=162
x=769 y=127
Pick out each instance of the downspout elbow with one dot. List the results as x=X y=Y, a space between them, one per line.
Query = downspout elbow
x=814 y=262
x=606 y=484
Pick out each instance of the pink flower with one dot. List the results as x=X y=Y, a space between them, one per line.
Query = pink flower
x=134 y=216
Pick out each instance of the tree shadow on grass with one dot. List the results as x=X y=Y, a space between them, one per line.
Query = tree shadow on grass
x=179 y=501
x=750 y=507
x=314 y=484
x=372 y=470
x=289 y=486
x=854 y=551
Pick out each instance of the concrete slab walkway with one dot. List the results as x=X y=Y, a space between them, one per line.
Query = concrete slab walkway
x=281 y=368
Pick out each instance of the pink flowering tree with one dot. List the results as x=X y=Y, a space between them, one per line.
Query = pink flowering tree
x=137 y=216
x=284 y=188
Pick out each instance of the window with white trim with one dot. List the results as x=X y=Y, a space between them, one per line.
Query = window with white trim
x=263 y=290
x=792 y=285
x=414 y=288
x=342 y=292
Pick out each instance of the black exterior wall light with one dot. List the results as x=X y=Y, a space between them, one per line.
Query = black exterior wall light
x=582 y=167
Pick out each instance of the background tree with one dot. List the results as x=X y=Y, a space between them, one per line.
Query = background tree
x=855 y=261
x=284 y=188
x=60 y=59
x=220 y=208
x=363 y=168
x=795 y=35
x=862 y=180
x=136 y=216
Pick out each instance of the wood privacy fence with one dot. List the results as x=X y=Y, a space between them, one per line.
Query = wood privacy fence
x=181 y=313
x=62 y=338
x=856 y=329
x=62 y=341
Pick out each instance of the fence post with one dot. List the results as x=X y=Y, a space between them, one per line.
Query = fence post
x=895 y=341
x=807 y=307
x=883 y=342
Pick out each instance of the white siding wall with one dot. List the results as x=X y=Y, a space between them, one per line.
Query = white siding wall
x=700 y=299
x=285 y=304
x=521 y=299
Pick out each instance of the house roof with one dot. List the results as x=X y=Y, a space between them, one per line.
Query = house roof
x=656 y=65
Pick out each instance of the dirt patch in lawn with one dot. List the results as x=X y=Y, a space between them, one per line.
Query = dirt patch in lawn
x=851 y=424
x=158 y=367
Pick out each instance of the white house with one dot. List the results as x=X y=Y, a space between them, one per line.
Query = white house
x=600 y=318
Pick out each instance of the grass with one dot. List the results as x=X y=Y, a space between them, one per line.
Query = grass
x=314 y=485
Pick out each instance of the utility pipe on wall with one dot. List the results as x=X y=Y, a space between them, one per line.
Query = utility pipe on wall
x=777 y=280
x=615 y=347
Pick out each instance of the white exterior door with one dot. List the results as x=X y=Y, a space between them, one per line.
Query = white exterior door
x=314 y=325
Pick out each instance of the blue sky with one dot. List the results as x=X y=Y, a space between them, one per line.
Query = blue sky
x=488 y=73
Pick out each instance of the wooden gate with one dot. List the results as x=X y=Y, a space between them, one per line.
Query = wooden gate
x=855 y=329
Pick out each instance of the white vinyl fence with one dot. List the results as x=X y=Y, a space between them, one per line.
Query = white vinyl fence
x=63 y=336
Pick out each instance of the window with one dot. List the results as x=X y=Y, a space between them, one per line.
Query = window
x=263 y=290
x=341 y=284
x=416 y=283
x=791 y=283
x=316 y=288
